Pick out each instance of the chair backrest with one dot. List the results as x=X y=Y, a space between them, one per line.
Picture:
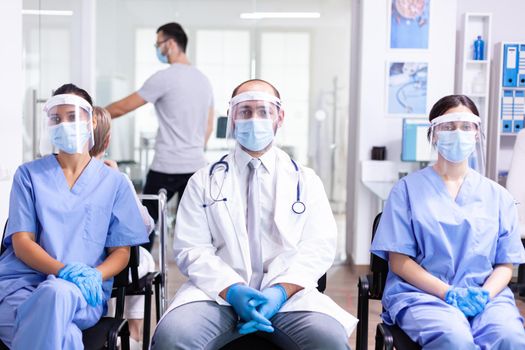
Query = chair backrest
x=2 y=246
x=378 y=266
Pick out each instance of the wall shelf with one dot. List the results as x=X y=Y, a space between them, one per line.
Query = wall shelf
x=507 y=107
x=473 y=75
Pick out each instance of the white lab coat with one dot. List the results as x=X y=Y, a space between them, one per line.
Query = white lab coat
x=211 y=243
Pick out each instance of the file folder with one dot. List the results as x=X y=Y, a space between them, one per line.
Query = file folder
x=521 y=66
x=510 y=65
x=507 y=111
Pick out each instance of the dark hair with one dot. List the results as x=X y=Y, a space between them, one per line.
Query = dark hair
x=174 y=31
x=275 y=91
x=75 y=90
x=448 y=102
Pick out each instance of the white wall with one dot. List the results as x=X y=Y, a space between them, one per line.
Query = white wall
x=373 y=127
x=507 y=17
x=11 y=92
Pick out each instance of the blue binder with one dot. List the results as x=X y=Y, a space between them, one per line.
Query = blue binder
x=521 y=66
x=510 y=65
x=507 y=111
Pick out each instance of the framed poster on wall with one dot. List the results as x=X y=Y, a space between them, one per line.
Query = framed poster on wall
x=409 y=24
x=407 y=88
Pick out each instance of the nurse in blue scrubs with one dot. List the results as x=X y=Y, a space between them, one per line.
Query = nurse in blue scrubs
x=451 y=237
x=71 y=222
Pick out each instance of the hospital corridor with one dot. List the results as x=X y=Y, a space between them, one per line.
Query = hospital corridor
x=262 y=174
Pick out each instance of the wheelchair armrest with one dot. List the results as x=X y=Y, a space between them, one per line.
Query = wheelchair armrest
x=384 y=338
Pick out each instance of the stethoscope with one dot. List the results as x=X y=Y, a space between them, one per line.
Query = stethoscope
x=298 y=206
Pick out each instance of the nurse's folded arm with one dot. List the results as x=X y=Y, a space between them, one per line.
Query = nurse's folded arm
x=406 y=268
x=116 y=261
x=33 y=255
x=498 y=279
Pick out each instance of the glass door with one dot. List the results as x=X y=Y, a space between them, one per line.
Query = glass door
x=48 y=27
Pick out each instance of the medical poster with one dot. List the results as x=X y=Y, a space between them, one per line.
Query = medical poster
x=409 y=22
x=407 y=88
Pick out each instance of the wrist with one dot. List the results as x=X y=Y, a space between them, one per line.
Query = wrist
x=284 y=294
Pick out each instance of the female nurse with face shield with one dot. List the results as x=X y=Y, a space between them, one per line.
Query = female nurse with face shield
x=71 y=222
x=451 y=237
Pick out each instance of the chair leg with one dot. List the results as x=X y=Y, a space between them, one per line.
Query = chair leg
x=158 y=281
x=362 y=314
x=124 y=338
x=147 y=317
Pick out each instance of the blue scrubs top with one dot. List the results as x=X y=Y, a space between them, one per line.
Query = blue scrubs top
x=458 y=241
x=71 y=225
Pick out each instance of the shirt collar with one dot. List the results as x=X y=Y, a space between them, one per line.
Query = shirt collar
x=242 y=158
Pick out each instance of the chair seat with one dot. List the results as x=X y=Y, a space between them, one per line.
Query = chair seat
x=401 y=339
x=251 y=342
x=96 y=337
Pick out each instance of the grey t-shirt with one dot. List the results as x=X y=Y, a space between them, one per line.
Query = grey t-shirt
x=182 y=96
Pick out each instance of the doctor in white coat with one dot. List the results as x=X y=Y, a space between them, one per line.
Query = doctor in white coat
x=254 y=233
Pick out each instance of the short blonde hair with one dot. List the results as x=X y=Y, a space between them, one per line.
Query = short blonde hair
x=102 y=131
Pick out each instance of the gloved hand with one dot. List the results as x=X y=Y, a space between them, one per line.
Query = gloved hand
x=87 y=279
x=239 y=297
x=471 y=301
x=276 y=296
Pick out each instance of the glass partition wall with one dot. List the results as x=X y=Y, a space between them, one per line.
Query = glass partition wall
x=307 y=59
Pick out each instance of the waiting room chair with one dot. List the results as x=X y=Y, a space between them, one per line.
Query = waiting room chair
x=371 y=287
x=105 y=333
x=256 y=341
x=144 y=286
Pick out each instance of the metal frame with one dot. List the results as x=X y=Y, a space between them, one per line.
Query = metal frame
x=162 y=230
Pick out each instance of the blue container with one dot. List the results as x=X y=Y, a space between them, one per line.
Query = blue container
x=479 y=49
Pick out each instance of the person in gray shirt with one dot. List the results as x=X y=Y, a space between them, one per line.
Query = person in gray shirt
x=183 y=101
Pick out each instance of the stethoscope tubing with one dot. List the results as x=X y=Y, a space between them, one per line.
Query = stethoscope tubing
x=298 y=206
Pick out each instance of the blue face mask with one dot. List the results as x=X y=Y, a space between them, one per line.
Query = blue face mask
x=162 y=58
x=254 y=134
x=64 y=136
x=456 y=146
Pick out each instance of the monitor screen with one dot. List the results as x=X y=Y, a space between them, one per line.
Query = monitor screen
x=415 y=145
x=222 y=124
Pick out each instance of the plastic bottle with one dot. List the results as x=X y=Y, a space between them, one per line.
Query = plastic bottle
x=479 y=49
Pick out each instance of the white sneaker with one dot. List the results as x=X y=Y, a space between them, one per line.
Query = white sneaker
x=134 y=345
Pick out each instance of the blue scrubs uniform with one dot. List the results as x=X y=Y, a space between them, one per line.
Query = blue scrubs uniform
x=458 y=241
x=71 y=225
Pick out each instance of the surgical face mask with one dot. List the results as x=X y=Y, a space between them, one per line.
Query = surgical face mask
x=64 y=136
x=456 y=146
x=254 y=134
x=162 y=58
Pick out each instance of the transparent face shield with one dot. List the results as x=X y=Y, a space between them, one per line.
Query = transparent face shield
x=253 y=118
x=457 y=138
x=67 y=125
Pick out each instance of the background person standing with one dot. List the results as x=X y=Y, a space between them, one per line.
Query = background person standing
x=183 y=101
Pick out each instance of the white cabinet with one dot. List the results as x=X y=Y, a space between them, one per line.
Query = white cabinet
x=473 y=75
x=507 y=107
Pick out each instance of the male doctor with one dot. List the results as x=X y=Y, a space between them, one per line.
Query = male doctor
x=254 y=233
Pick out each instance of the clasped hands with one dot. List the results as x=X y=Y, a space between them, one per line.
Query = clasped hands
x=471 y=300
x=254 y=307
x=87 y=279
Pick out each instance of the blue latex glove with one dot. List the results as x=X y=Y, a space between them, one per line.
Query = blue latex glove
x=276 y=296
x=87 y=279
x=239 y=297
x=471 y=301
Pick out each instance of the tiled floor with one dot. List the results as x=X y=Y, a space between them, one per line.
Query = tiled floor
x=342 y=288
